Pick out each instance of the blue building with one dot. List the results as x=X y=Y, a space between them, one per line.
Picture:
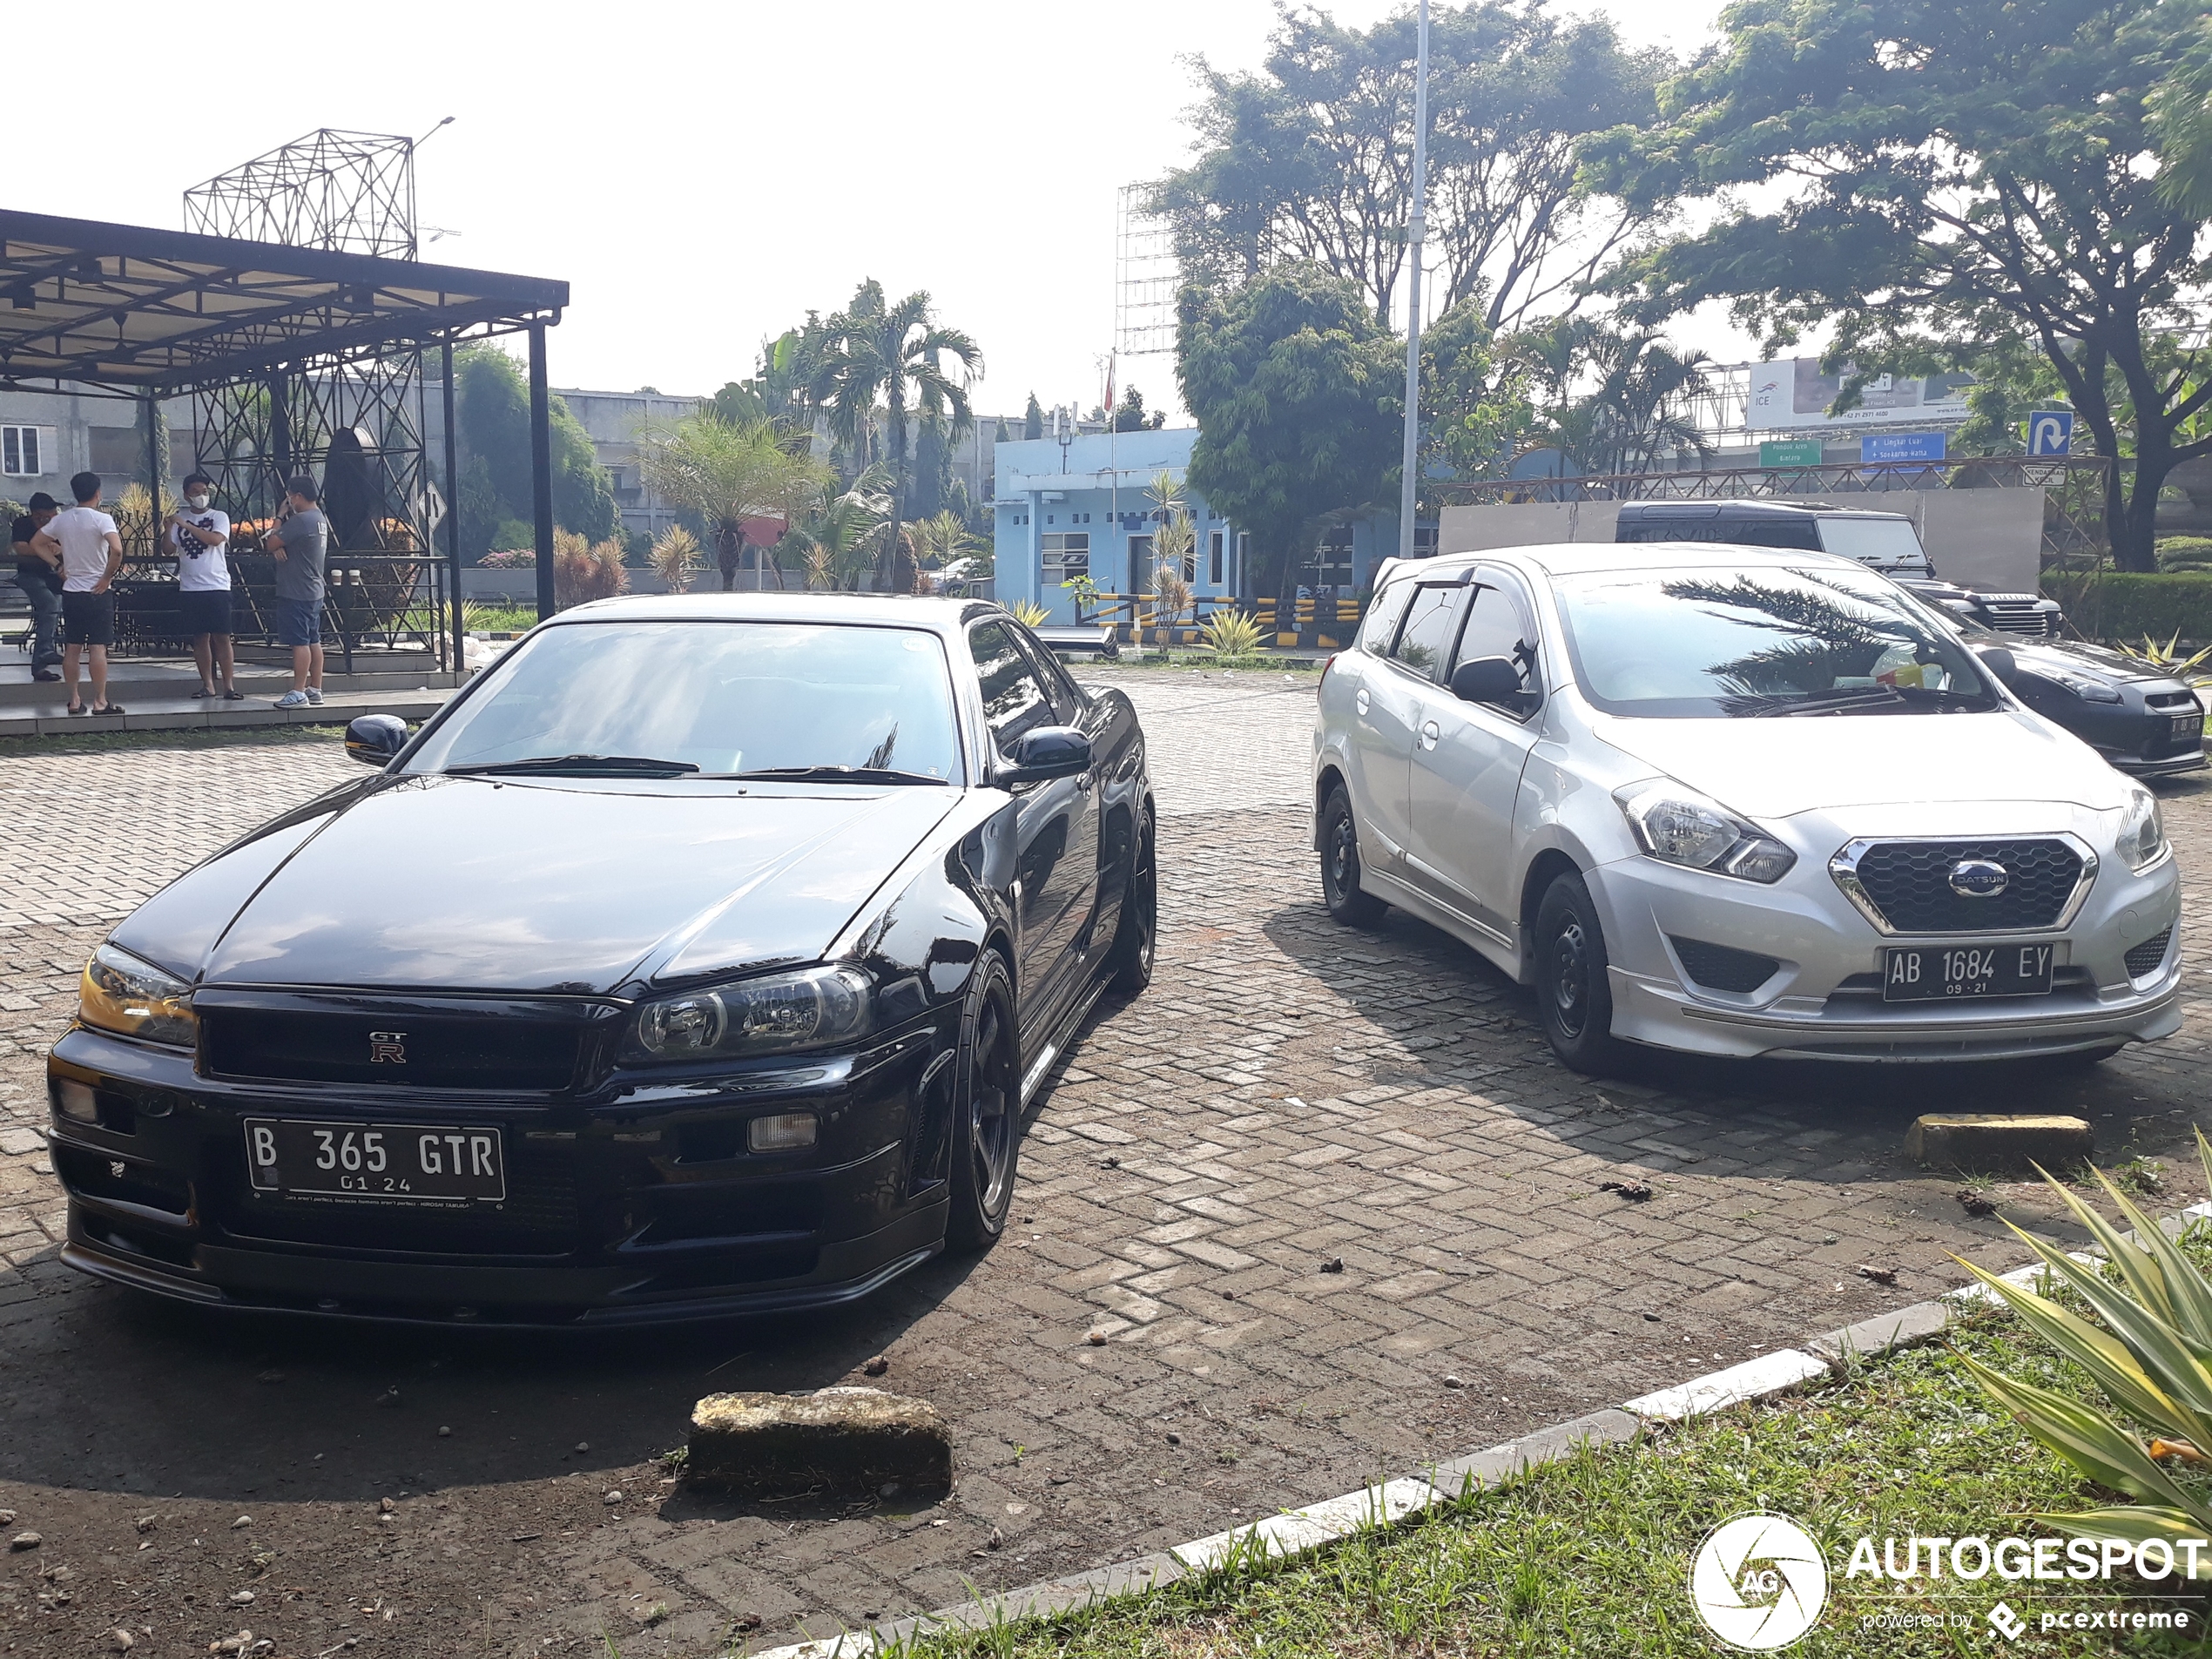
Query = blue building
x=1081 y=508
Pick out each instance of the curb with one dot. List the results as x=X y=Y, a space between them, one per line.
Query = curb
x=1296 y=1532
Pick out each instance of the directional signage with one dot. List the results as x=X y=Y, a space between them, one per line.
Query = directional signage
x=1789 y=452
x=1901 y=446
x=2050 y=432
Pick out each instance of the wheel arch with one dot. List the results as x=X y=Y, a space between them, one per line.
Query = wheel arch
x=1545 y=869
x=1326 y=783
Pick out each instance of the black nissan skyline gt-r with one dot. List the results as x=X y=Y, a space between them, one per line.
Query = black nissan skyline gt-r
x=700 y=957
x=2142 y=720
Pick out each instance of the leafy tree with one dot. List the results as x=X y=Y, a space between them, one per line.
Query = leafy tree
x=2180 y=111
x=1129 y=415
x=1474 y=402
x=899 y=357
x=1000 y=434
x=494 y=419
x=839 y=541
x=1612 y=401
x=1311 y=157
x=1299 y=396
x=1937 y=179
x=1033 y=419
x=726 y=472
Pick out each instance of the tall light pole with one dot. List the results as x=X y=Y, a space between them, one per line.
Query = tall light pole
x=1417 y=229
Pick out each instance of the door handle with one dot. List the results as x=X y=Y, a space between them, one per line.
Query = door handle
x=1430 y=733
x=1082 y=783
x=1361 y=701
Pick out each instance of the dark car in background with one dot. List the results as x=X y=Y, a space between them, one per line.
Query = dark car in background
x=1885 y=540
x=700 y=956
x=2141 y=720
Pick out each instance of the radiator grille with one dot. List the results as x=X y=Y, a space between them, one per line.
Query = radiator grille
x=1909 y=883
x=506 y=1052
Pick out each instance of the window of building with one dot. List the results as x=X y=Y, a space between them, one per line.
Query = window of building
x=1066 y=554
x=1140 y=564
x=24 y=450
x=1214 y=545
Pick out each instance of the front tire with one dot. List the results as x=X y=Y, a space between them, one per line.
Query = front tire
x=1340 y=887
x=1574 y=994
x=986 y=1119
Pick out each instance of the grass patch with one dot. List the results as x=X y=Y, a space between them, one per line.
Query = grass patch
x=172 y=738
x=1591 y=1555
x=501 y=619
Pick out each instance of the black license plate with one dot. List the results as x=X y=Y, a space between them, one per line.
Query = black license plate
x=2189 y=725
x=388 y=1163
x=1950 y=973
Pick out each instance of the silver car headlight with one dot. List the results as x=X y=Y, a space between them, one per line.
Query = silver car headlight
x=2142 y=833
x=809 y=1009
x=1678 y=825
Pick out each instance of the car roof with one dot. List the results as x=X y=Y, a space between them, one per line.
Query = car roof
x=1581 y=558
x=880 y=609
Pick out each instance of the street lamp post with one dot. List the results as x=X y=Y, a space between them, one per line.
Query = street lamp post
x=1417 y=228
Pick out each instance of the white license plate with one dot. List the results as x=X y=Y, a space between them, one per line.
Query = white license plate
x=382 y=1163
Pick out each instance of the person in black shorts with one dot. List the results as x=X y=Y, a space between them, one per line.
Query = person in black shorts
x=91 y=555
x=198 y=534
x=39 y=576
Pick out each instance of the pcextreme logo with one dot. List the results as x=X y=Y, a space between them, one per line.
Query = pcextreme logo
x=1759 y=1583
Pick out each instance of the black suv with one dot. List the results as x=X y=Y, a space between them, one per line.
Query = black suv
x=1887 y=540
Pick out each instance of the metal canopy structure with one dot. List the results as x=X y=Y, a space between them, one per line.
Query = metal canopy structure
x=137 y=312
x=354 y=191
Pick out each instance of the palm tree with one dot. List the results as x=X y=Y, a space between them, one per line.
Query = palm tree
x=895 y=355
x=728 y=471
x=839 y=541
x=1618 y=401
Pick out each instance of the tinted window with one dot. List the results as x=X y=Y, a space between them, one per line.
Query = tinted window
x=1496 y=627
x=721 y=696
x=1427 y=639
x=1381 y=620
x=1741 y=532
x=1067 y=701
x=1013 y=701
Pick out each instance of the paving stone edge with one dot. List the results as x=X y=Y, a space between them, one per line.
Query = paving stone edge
x=1295 y=1532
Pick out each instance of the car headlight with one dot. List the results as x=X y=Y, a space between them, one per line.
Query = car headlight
x=773 y=1013
x=120 y=993
x=2088 y=690
x=1679 y=825
x=2143 y=835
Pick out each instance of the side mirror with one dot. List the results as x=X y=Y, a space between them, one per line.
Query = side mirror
x=2000 y=664
x=372 y=740
x=1491 y=679
x=1049 y=752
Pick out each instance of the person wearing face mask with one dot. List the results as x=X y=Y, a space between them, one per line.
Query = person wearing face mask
x=199 y=535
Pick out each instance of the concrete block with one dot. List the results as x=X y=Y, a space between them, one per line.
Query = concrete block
x=1992 y=1140
x=1885 y=1333
x=1487 y=1468
x=847 y=1439
x=1771 y=1373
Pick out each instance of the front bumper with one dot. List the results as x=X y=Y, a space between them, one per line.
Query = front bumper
x=1824 y=999
x=643 y=1209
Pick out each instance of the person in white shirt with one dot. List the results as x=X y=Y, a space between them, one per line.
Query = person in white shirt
x=198 y=534
x=91 y=554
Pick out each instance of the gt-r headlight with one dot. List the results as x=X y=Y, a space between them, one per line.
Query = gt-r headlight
x=1679 y=825
x=2142 y=833
x=119 y=993
x=809 y=1009
x=2088 y=690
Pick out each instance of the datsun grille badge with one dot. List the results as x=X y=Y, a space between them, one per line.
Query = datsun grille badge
x=1979 y=878
x=390 y=1048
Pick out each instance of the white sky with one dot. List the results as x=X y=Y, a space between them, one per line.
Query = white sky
x=701 y=174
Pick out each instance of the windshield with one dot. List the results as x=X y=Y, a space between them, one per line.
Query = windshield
x=1884 y=543
x=1722 y=640
x=719 y=696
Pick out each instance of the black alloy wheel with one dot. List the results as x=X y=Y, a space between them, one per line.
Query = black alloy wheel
x=1574 y=996
x=1341 y=865
x=987 y=1119
x=1137 y=932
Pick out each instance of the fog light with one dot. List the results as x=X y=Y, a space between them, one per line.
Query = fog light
x=75 y=1100
x=786 y=1132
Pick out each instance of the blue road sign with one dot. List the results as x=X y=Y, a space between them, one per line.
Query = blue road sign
x=1901 y=446
x=2050 y=432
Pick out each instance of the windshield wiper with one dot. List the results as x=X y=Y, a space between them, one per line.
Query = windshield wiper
x=1829 y=702
x=607 y=765
x=836 y=775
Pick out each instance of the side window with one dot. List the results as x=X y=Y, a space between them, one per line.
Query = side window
x=1498 y=626
x=1013 y=701
x=1426 y=640
x=1381 y=620
x=1067 y=701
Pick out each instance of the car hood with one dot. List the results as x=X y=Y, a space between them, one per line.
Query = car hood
x=2078 y=657
x=1776 y=768
x=462 y=884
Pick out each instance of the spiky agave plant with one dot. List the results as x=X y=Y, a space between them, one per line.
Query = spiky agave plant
x=676 y=556
x=1230 y=635
x=2152 y=1358
x=1029 y=613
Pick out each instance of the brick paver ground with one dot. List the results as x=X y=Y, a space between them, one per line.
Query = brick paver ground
x=1287 y=1094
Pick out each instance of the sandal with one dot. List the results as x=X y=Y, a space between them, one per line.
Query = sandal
x=233 y=696
x=111 y=708
x=78 y=708
x=203 y=691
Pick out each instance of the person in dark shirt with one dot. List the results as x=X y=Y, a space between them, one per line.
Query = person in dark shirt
x=40 y=578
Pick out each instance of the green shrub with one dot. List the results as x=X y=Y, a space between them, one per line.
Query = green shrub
x=2106 y=605
x=2185 y=553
